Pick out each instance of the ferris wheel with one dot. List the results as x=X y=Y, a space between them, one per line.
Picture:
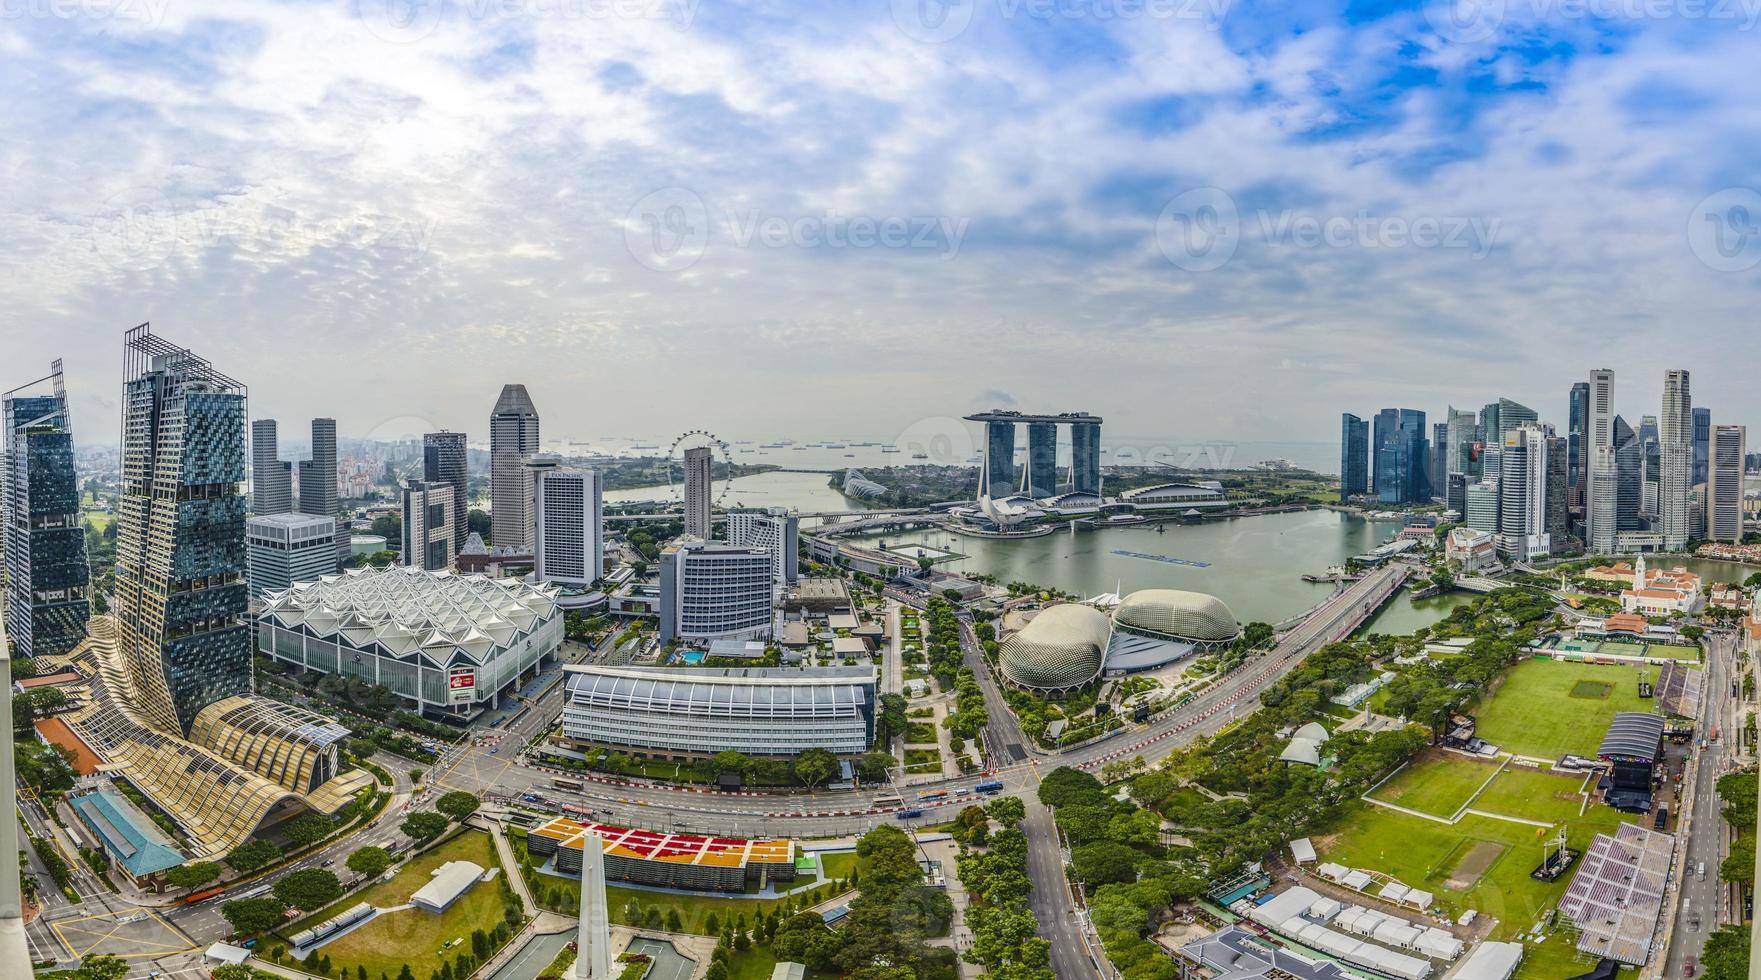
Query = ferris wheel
x=720 y=456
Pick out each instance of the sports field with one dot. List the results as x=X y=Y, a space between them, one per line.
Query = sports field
x=1541 y=710
x=1436 y=782
x=1538 y=795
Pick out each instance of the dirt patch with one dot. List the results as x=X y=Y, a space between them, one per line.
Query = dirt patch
x=1592 y=690
x=1468 y=870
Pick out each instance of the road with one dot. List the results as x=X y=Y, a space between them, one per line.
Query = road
x=1706 y=901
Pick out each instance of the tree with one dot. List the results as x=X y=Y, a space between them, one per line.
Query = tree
x=1007 y=810
x=307 y=830
x=232 y=971
x=308 y=888
x=369 y=862
x=251 y=855
x=102 y=967
x=673 y=922
x=457 y=805
x=423 y=826
x=1726 y=956
x=192 y=874
x=1740 y=865
x=248 y=915
x=1103 y=862
x=479 y=523
x=815 y=766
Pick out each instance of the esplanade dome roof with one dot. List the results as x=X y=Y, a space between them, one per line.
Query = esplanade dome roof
x=1172 y=612
x=1064 y=646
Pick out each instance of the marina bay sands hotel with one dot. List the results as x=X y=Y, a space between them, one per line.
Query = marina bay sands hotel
x=997 y=469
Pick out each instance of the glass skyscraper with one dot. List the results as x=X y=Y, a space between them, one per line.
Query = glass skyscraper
x=1702 y=444
x=999 y=457
x=1042 y=459
x=1402 y=457
x=1085 y=457
x=1354 y=456
x=47 y=575
x=181 y=594
x=1576 y=460
x=443 y=461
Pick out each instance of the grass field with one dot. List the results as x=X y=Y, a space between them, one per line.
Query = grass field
x=1436 y=782
x=1534 y=713
x=1538 y=795
x=414 y=936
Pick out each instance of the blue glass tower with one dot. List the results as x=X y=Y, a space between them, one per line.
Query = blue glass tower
x=181 y=595
x=1042 y=459
x=999 y=457
x=1354 y=456
x=1402 y=458
x=1085 y=457
x=48 y=580
x=1576 y=460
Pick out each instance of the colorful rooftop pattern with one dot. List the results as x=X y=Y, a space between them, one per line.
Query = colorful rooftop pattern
x=654 y=845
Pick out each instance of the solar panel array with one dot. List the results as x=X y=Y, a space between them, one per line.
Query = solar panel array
x=1616 y=897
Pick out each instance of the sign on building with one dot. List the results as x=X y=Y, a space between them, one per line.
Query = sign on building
x=461 y=685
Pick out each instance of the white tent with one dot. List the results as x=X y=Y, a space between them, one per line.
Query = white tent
x=1325 y=909
x=1491 y=961
x=1395 y=932
x=1367 y=922
x=1332 y=872
x=226 y=954
x=1302 y=850
x=1357 y=881
x=1394 y=891
x=1438 y=945
x=1348 y=918
x=1417 y=899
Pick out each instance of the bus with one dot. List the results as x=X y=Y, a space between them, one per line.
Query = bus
x=994 y=786
x=934 y=794
x=908 y=814
x=561 y=782
x=891 y=799
x=203 y=895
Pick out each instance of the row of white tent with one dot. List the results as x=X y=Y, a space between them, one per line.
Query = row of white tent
x=1360 y=881
x=1299 y=913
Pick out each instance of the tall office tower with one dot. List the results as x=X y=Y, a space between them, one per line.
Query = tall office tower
x=1437 y=475
x=1676 y=429
x=1724 y=484
x=999 y=458
x=699 y=489
x=1455 y=497
x=1578 y=411
x=567 y=511
x=1042 y=459
x=1461 y=438
x=1558 y=521
x=1401 y=456
x=271 y=479
x=1491 y=428
x=1354 y=456
x=443 y=461
x=1522 y=494
x=181 y=598
x=1482 y=506
x=513 y=435
x=777 y=530
x=1702 y=443
x=47 y=578
x=1598 y=431
x=1085 y=457
x=1629 y=468
x=1512 y=416
x=1651 y=459
x=318 y=490
x=428 y=521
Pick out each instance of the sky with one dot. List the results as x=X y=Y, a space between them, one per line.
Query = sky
x=1201 y=219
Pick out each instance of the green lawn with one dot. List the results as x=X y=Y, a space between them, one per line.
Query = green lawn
x=920 y=733
x=1437 y=783
x=414 y=936
x=1534 y=713
x=1538 y=795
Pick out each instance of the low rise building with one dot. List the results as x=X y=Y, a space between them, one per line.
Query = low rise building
x=448 y=642
x=1662 y=592
x=1470 y=548
x=134 y=844
x=665 y=860
x=683 y=713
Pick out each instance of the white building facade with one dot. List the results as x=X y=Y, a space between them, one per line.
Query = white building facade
x=777 y=531
x=1522 y=494
x=1724 y=484
x=712 y=591
x=283 y=549
x=568 y=546
x=428 y=525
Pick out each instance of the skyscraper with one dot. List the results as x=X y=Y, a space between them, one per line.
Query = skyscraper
x=271 y=479
x=1558 y=518
x=1437 y=472
x=1522 y=494
x=1676 y=431
x=443 y=461
x=1085 y=457
x=319 y=496
x=1598 y=432
x=999 y=457
x=48 y=580
x=1354 y=456
x=513 y=435
x=1651 y=459
x=1578 y=411
x=1702 y=443
x=1042 y=459
x=1401 y=457
x=427 y=525
x=1512 y=416
x=566 y=506
x=1460 y=436
x=1724 y=484
x=181 y=597
x=699 y=483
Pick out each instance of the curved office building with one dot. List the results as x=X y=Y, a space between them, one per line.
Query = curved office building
x=678 y=713
x=1191 y=617
x=1061 y=648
